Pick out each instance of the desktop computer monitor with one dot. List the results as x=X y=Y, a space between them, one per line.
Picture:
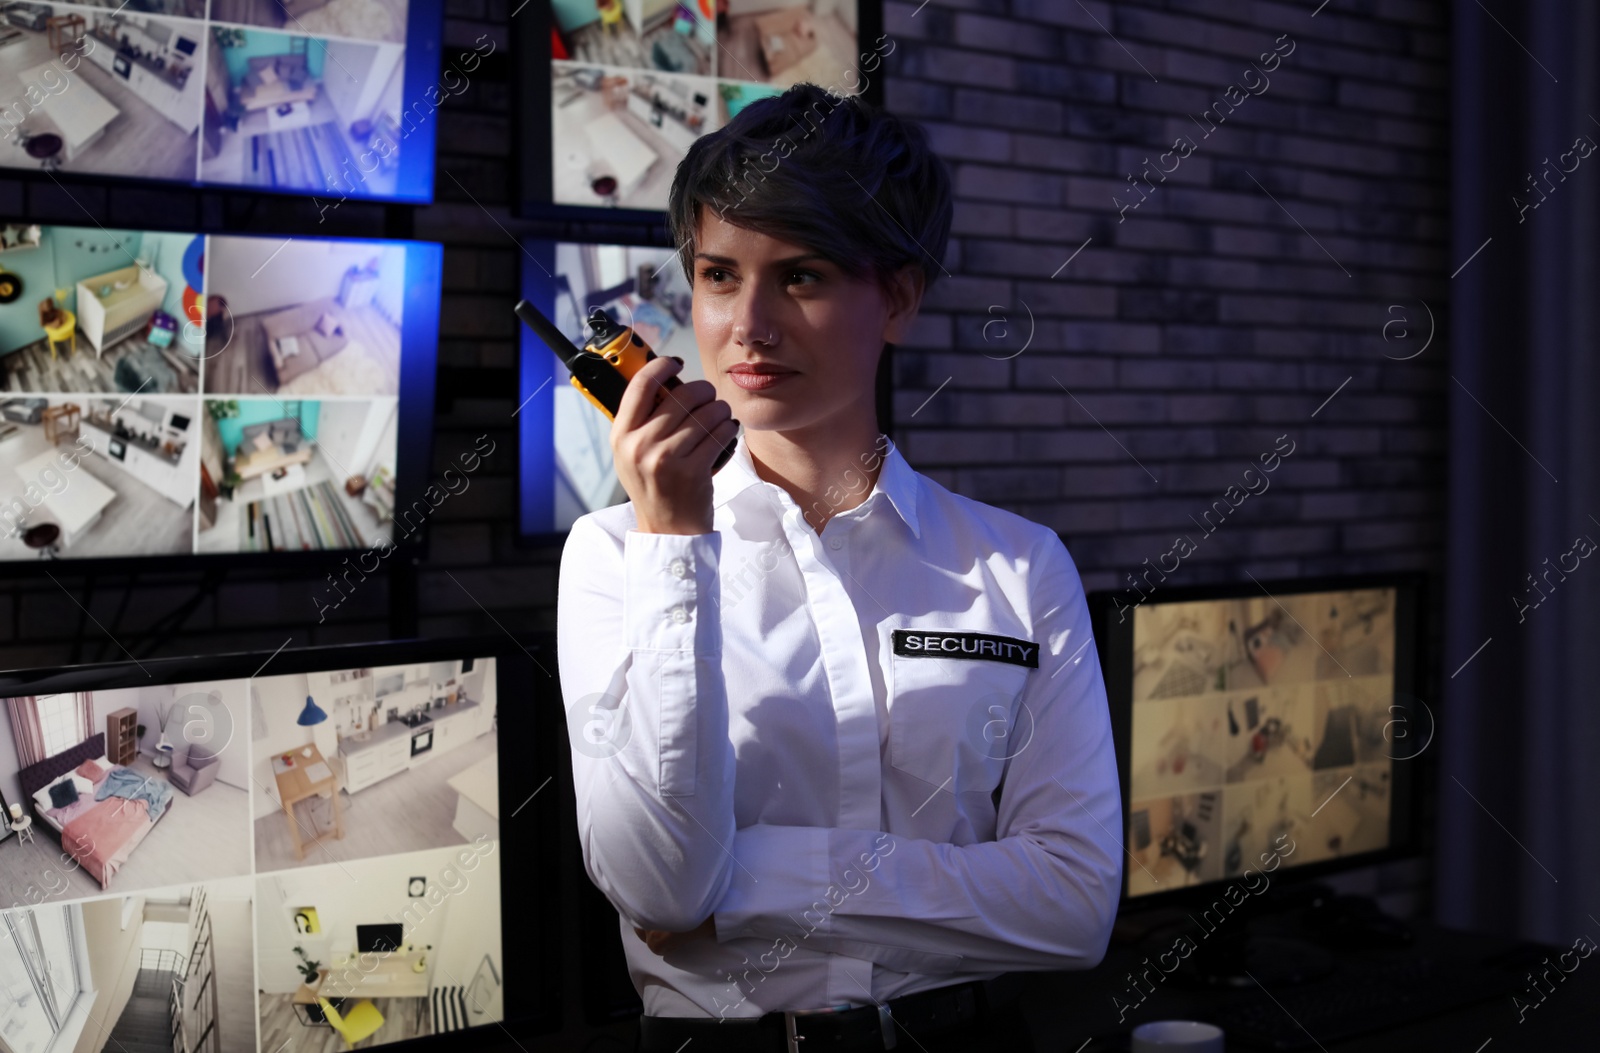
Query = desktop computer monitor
x=314 y=835
x=1261 y=727
x=379 y=938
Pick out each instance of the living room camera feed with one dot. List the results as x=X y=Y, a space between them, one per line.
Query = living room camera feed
x=304 y=113
x=164 y=394
x=303 y=96
x=566 y=465
x=290 y=475
x=635 y=82
x=1258 y=725
x=304 y=318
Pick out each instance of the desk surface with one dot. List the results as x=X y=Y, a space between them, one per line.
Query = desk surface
x=1074 y=1012
x=369 y=976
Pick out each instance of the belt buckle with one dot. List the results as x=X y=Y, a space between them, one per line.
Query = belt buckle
x=793 y=1038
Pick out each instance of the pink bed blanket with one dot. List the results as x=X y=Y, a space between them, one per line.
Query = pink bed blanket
x=103 y=837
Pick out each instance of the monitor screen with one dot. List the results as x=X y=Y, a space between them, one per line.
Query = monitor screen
x=630 y=87
x=1258 y=730
x=564 y=454
x=259 y=826
x=328 y=97
x=385 y=937
x=308 y=364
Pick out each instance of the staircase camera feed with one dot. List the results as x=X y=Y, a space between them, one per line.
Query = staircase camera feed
x=1259 y=727
x=635 y=82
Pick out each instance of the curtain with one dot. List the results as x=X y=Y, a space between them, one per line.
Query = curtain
x=1518 y=716
x=25 y=730
x=85 y=703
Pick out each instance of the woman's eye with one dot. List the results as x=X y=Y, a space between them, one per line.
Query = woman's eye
x=801 y=277
x=713 y=274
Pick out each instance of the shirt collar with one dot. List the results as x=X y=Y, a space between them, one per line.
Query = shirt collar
x=896 y=478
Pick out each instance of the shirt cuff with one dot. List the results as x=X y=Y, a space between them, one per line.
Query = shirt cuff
x=779 y=886
x=670 y=592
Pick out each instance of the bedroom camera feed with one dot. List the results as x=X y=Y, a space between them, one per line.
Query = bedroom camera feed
x=635 y=82
x=566 y=461
x=1258 y=723
x=165 y=394
x=122 y=790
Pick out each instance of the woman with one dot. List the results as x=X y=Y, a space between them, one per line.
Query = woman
x=840 y=740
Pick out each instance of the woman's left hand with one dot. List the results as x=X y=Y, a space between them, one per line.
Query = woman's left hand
x=661 y=942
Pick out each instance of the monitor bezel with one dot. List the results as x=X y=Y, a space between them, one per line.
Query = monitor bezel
x=530 y=735
x=1114 y=647
x=534 y=191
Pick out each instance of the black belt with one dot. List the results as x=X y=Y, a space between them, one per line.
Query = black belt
x=861 y=1028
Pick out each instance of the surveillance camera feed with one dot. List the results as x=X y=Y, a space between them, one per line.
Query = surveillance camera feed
x=1259 y=730
x=291 y=863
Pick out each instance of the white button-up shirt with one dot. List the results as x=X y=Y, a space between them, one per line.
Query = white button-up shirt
x=880 y=757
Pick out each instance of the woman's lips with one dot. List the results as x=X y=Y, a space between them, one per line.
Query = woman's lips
x=759 y=381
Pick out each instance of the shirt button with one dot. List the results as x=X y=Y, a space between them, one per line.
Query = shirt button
x=680 y=615
x=679 y=569
x=836 y=544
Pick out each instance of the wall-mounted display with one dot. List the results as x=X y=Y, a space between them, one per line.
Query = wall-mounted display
x=336 y=98
x=173 y=394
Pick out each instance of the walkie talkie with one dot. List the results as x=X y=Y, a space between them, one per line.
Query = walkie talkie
x=602 y=367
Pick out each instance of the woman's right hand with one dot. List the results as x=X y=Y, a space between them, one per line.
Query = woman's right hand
x=664 y=443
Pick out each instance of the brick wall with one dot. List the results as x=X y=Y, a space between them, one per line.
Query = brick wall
x=1184 y=336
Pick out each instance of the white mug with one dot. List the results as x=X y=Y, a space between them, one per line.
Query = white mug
x=1177 y=1036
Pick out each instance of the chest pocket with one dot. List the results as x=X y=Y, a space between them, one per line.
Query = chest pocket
x=957 y=720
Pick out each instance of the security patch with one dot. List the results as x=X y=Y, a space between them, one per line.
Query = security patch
x=925 y=643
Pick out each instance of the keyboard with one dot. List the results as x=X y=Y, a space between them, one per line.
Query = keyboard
x=1352 y=1005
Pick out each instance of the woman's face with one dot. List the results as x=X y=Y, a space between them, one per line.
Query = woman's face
x=759 y=299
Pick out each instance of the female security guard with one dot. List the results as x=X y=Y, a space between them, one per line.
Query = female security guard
x=857 y=764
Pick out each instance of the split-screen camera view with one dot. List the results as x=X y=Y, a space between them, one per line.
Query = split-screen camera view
x=1259 y=725
x=167 y=394
x=297 y=95
x=368 y=800
x=636 y=82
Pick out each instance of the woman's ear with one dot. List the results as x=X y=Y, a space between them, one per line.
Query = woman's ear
x=903 y=296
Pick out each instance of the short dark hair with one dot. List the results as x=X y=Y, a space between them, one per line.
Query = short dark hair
x=839 y=175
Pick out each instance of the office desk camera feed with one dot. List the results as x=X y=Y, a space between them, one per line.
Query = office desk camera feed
x=168 y=394
x=1258 y=729
x=371 y=914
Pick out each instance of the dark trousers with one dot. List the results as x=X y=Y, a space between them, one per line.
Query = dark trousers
x=1004 y=1031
